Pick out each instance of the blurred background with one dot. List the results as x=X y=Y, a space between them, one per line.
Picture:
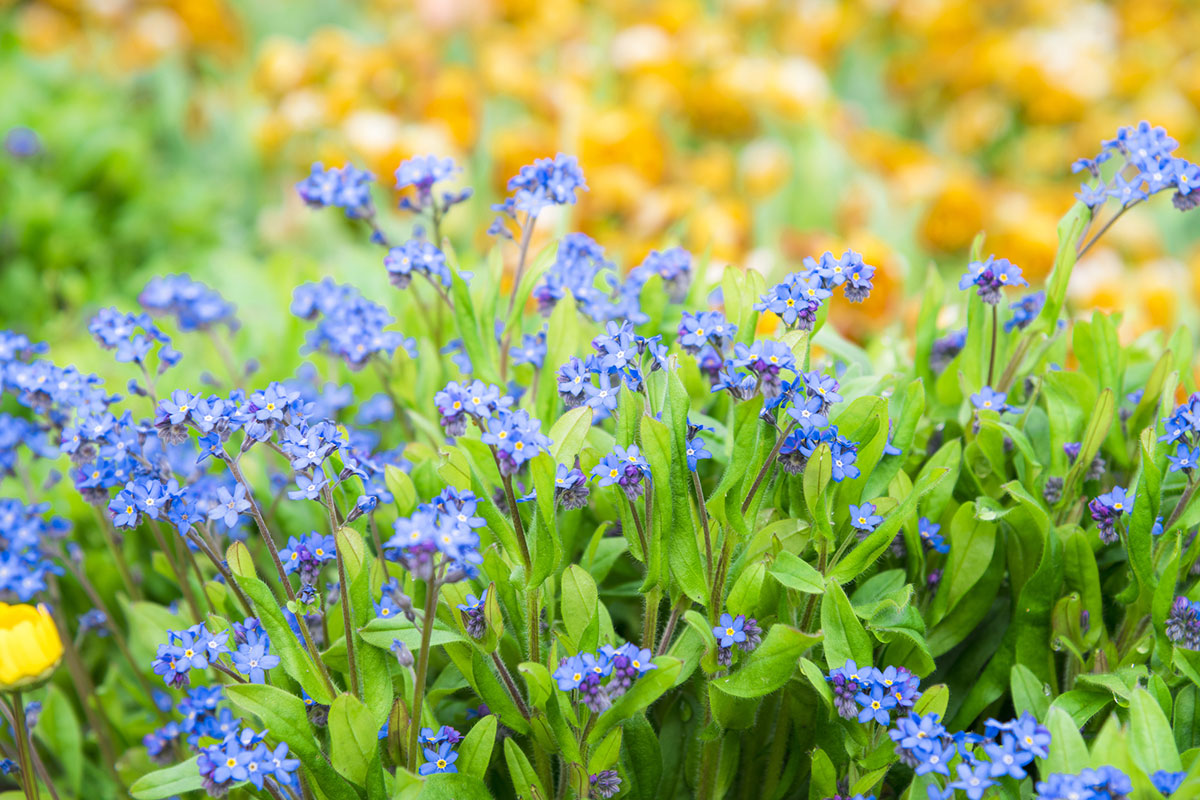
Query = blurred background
x=151 y=136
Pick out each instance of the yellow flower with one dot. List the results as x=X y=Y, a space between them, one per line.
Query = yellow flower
x=29 y=645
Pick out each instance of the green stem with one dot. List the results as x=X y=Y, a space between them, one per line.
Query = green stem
x=414 y=723
x=650 y=618
x=265 y=535
x=509 y=684
x=221 y=568
x=23 y=745
x=708 y=555
x=992 y=357
x=767 y=464
x=641 y=532
x=344 y=592
x=1181 y=506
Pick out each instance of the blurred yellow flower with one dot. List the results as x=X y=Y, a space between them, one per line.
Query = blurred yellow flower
x=29 y=645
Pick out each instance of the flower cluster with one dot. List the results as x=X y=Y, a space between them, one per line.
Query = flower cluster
x=421 y=174
x=926 y=746
x=869 y=694
x=194 y=305
x=132 y=337
x=28 y=540
x=990 y=276
x=1149 y=167
x=477 y=401
x=741 y=631
x=1183 y=623
x=516 y=438
x=798 y=297
x=546 y=182
x=577 y=264
x=570 y=487
x=351 y=326
x=1105 y=783
x=1107 y=509
x=198 y=648
x=812 y=396
x=347 y=188
x=438 y=749
x=417 y=256
x=603 y=676
x=446 y=525
x=306 y=556
x=244 y=757
x=472 y=612
x=623 y=467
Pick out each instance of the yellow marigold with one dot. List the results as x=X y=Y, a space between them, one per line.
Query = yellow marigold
x=29 y=645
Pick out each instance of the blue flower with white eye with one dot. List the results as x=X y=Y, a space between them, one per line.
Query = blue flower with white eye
x=695 y=450
x=988 y=399
x=864 y=517
x=730 y=630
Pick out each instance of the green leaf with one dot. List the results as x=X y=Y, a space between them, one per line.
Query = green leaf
x=1151 y=743
x=382 y=632
x=796 y=573
x=770 y=666
x=644 y=691
x=872 y=547
x=475 y=753
x=1067 y=752
x=577 y=601
x=281 y=712
x=402 y=489
x=169 y=782
x=845 y=638
x=454 y=786
x=292 y=657
x=353 y=738
x=569 y=433
x=1069 y=229
x=525 y=779
x=1028 y=692
x=284 y=716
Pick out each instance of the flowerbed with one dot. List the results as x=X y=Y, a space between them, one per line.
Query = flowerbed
x=652 y=537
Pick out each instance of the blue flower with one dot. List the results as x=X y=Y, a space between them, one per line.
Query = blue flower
x=309 y=488
x=988 y=399
x=229 y=505
x=254 y=660
x=346 y=188
x=694 y=451
x=843 y=463
x=545 y=182
x=731 y=630
x=875 y=706
x=1184 y=459
x=864 y=517
x=569 y=674
x=440 y=760
x=417 y=256
x=1025 y=311
x=276 y=764
x=973 y=781
x=931 y=536
x=1007 y=758
x=989 y=276
x=1167 y=782
x=808 y=414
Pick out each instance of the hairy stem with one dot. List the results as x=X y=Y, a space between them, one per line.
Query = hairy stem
x=414 y=724
x=265 y=534
x=766 y=467
x=708 y=554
